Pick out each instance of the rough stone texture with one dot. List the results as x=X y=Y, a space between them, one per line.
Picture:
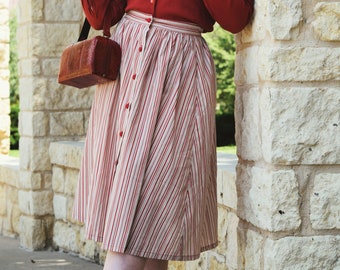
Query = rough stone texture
x=304 y=132
x=29 y=180
x=67 y=123
x=9 y=207
x=284 y=18
x=227 y=187
x=36 y=124
x=280 y=63
x=327 y=20
x=279 y=19
x=36 y=202
x=315 y=252
x=3 y=199
x=60 y=207
x=66 y=236
x=32 y=233
x=34 y=154
x=325 y=201
x=67 y=154
x=253 y=253
x=247 y=135
x=268 y=199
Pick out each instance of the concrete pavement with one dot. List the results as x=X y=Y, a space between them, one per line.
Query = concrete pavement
x=12 y=257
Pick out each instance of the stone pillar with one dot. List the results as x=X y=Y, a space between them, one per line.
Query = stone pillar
x=4 y=78
x=288 y=136
x=49 y=111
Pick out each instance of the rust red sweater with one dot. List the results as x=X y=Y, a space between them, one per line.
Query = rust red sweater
x=232 y=15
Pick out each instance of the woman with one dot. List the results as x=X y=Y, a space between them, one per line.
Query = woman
x=147 y=185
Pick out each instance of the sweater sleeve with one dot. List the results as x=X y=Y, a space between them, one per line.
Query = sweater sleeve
x=102 y=14
x=232 y=15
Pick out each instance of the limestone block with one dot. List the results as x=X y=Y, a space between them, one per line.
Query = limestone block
x=9 y=170
x=4 y=146
x=284 y=18
x=31 y=11
x=327 y=20
x=300 y=125
x=247 y=115
x=56 y=10
x=4 y=52
x=32 y=233
x=60 y=35
x=222 y=230
x=60 y=207
x=32 y=93
x=30 y=180
x=294 y=64
x=58 y=179
x=22 y=46
x=4 y=34
x=247 y=62
x=71 y=181
x=268 y=199
x=88 y=248
x=253 y=252
x=199 y=264
x=47 y=180
x=66 y=154
x=36 y=202
x=70 y=204
x=313 y=252
x=226 y=188
x=287 y=64
x=34 y=154
x=87 y=118
x=39 y=94
x=51 y=67
x=29 y=67
x=232 y=251
x=66 y=98
x=5 y=123
x=3 y=198
x=15 y=219
x=33 y=123
x=4 y=106
x=216 y=261
x=4 y=14
x=175 y=265
x=66 y=123
x=66 y=236
x=325 y=201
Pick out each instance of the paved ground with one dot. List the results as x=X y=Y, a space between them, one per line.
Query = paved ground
x=12 y=257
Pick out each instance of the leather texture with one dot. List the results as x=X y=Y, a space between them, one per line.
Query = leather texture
x=90 y=62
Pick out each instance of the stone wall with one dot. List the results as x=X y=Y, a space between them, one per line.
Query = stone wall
x=9 y=201
x=288 y=136
x=48 y=111
x=4 y=78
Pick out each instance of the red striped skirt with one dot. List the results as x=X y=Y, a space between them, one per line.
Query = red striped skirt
x=147 y=184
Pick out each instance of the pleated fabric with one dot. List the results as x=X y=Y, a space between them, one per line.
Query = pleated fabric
x=147 y=183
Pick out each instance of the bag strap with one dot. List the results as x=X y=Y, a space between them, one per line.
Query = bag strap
x=85 y=30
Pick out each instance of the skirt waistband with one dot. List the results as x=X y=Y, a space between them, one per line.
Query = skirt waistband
x=148 y=19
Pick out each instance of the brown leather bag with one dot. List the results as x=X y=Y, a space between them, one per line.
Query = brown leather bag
x=89 y=62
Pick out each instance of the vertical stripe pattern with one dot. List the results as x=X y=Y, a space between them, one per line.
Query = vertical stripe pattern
x=147 y=184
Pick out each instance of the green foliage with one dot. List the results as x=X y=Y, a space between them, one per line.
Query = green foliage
x=14 y=82
x=222 y=47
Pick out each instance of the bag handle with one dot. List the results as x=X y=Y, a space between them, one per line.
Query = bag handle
x=85 y=30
